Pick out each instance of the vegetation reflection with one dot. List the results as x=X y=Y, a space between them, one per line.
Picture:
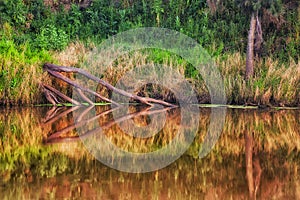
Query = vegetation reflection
x=257 y=152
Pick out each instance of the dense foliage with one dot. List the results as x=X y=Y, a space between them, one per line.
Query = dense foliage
x=49 y=28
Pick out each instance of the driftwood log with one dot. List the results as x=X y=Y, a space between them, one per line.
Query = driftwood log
x=52 y=94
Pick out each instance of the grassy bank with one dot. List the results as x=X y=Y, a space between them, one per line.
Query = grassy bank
x=64 y=33
x=274 y=83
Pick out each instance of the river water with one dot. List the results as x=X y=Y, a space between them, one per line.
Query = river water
x=46 y=153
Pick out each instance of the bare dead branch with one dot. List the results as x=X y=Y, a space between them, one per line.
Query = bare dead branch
x=74 y=84
x=61 y=95
x=84 y=97
x=53 y=69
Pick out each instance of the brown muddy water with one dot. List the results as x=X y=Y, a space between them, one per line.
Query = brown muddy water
x=45 y=154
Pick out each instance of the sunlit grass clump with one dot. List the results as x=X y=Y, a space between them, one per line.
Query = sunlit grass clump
x=273 y=82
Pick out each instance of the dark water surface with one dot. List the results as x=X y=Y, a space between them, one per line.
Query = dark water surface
x=42 y=157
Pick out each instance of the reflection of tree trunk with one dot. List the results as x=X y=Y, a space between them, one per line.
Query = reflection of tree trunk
x=257 y=173
x=250 y=48
x=249 y=166
x=253 y=169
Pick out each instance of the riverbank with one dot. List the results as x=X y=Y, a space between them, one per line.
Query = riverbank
x=63 y=33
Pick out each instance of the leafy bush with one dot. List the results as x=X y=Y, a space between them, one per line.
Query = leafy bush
x=226 y=28
x=13 y=12
x=51 y=37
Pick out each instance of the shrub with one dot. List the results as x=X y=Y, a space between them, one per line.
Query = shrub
x=51 y=37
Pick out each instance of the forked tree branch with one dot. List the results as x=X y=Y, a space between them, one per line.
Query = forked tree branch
x=55 y=69
x=61 y=95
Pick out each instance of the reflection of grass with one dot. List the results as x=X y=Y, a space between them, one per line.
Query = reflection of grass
x=117 y=134
x=23 y=157
x=21 y=138
x=222 y=172
x=21 y=147
x=187 y=177
x=22 y=152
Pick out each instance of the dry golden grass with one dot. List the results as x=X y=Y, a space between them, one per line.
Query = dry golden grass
x=73 y=55
x=273 y=83
x=20 y=81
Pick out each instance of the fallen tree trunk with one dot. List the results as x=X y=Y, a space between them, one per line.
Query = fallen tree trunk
x=55 y=69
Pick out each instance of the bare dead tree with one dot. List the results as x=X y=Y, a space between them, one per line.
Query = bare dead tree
x=250 y=48
x=55 y=70
x=213 y=5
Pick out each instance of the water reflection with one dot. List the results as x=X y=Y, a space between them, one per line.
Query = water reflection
x=41 y=156
x=162 y=135
x=105 y=121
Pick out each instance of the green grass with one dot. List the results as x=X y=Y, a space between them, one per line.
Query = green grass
x=20 y=70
